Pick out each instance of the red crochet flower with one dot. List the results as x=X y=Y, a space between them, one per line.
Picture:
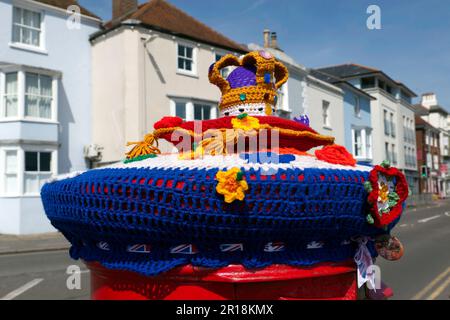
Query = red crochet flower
x=401 y=188
x=335 y=154
x=168 y=122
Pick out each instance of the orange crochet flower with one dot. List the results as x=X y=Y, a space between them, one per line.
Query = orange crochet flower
x=245 y=122
x=231 y=185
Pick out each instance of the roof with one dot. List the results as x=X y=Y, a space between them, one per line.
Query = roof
x=165 y=17
x=352 y=70
x=438 y=108
x=420 y=109
x=335 y=80
x=422 y=123
x=64 y=4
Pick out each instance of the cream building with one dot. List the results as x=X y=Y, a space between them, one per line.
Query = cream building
x=151 y=61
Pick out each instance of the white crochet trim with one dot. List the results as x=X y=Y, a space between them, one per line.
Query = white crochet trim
x=64 y=176
x=251 y=109
x=230 y=161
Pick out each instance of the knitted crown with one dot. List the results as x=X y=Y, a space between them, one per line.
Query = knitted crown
x=252 y=86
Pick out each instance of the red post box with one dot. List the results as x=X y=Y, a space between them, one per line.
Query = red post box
x=328 y=281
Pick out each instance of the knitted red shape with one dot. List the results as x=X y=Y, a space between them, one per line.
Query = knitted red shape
x=401 y=189
x=168 y=122
x=335 y=154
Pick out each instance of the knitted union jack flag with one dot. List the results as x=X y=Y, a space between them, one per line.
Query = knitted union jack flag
x=274 y=247
x=231 y=247
x=184 y=249
x=139 y=248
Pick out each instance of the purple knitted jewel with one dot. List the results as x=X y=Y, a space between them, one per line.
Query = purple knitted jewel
x=266 y=55
x=303 y=119
x=242 y=77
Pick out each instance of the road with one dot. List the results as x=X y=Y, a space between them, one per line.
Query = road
x=422 y=273
x=40 y=276
x=424 y=270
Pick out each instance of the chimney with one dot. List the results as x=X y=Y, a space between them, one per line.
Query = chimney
x=429 y=100
x=274 y=41
x=123 y=7
x=266 y=38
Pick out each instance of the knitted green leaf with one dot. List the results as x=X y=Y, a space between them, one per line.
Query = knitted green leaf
x=386 y=164
x=368 y=186
x=370 y=219
x=140 y=158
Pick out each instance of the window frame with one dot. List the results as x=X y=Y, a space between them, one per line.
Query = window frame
x=357 y=106
x=326 y=114
x=366 y=143
x=21 y=173
x=21 y=72
x=42 y=30
x=189 y=106
x=192 y=72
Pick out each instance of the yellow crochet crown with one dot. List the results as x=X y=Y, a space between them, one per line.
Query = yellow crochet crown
x=252 y=86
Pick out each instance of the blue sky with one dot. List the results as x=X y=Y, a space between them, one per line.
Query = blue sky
x=413 y=45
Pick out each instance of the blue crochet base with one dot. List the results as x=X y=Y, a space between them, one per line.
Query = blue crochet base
x=167 y=207
x=160 y=260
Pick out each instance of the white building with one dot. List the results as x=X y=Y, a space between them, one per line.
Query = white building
x=305 y=94
x=45 y=98
x=392 y=116
x=151 y=61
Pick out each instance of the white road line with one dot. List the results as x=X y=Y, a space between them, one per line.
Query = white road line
x=429 y=219
x=447 y=214
x=403 y=225
x=22 y=289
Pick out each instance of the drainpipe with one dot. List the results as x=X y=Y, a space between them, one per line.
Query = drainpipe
x=145 y=41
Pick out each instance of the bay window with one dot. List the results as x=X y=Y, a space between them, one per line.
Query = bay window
x=10 y=96
x=26 y=94
x=202 y=111
x=189 y=110
x=38 y=96
x=11 y=172
x=24 y=170
x=37 y=170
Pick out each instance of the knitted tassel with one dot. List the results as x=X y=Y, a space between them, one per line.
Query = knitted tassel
x=144 y=147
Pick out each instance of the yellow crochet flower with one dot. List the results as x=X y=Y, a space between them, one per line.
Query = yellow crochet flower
x=245 y=122
x=231 y=185
x=384 y=193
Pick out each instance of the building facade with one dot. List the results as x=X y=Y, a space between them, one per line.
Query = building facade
x=44 y=107
x=357 y=118
x=392 y=117
x=428 y=157
x=439 y=117
x=149 y=63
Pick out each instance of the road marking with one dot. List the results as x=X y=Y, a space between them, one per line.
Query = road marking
x=85 y=271
x=422 y=293
x=447 y=214
x=22 y=289
x=429 y=219
x=439 y=290
x=403 y=225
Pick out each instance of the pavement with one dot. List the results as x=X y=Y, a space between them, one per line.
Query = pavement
x=35 y=267
x=33 y=243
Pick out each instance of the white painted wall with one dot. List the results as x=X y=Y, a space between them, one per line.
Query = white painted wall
x=316 y=92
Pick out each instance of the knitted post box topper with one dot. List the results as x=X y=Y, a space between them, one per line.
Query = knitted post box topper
x=212 y=205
